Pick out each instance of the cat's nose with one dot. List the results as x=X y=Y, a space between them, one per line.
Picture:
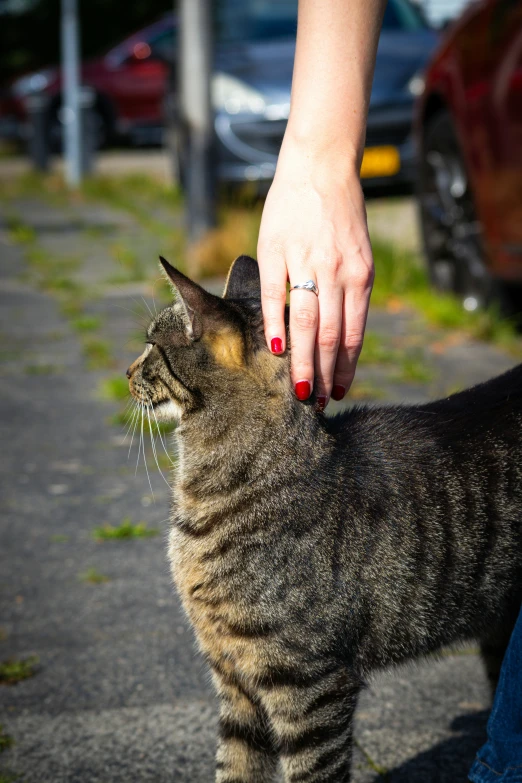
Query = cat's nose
x=129 y=373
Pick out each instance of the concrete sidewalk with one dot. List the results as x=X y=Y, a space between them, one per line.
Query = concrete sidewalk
x=119 y=692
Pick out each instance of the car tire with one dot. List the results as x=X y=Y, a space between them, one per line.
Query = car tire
x=451 y=231
x=101 y=127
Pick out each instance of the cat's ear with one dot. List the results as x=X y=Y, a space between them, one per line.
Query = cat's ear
x=197 y=303
x=243 y=281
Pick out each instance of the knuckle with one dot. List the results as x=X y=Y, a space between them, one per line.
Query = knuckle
x=274 y=293
x=305 y=318
x=328 y=338
x=333 y=264
x=361 y=277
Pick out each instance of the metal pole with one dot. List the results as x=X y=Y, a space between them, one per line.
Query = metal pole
x=70 y=114
x=196 y=111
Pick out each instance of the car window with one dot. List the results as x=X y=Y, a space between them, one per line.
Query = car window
x=401 y=15
x=164 y=43
x=255 y=20
x=266 y=20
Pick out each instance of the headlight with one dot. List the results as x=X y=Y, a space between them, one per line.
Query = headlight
x=33 y=82
x=234 y=96
x=416 y=84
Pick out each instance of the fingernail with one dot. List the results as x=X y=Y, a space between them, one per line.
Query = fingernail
x=302 y=390
x=338 y=392
x=321 y=402
x=276 y=345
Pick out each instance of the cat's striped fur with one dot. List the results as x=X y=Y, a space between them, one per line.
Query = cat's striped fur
x=310 y=551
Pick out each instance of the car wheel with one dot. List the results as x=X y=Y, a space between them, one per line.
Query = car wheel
x=100 y=127
x=451 y=232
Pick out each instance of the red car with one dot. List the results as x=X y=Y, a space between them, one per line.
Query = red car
x=129 y=84
x=469 y=131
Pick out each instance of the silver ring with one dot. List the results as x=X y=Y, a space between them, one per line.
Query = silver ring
x=308 y=286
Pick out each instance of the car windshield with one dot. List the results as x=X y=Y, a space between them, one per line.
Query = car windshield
x=268 y=20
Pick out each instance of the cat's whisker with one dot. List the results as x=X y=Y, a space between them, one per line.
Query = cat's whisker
x=154 y=448
x=147 y=306
x=142 y=442
x=133 y=430
x=132 y=426
x=160 y=436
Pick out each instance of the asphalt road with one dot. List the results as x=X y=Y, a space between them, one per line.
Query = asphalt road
x=120 y=693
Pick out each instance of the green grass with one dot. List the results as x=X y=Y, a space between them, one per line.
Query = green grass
x=15 y=670
x=9 y=777
x=6 y=741
x=126 y=529
x=376 y=350
x=412 y=368
x=93 y=577
x=115 y=388
x=42 y=369
x=402 y=276
x=19 y=232
x=72 y=308
x=86 y=323
x=97 y=353
x=380 y=770
x=367 y=391
x=59 y=539
x=130 y=268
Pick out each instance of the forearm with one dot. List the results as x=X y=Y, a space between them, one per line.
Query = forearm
x=333 y=72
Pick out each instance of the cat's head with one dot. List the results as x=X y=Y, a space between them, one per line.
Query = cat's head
x=209 y=353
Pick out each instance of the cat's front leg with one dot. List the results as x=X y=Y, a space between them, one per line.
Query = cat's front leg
x=312 y=722
x=245 y=751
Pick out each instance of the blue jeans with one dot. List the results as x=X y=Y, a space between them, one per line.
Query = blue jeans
x=500 y=760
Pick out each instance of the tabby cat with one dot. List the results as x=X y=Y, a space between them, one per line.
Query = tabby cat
x=309 y=551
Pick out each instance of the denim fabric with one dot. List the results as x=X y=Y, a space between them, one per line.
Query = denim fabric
x=500 y=760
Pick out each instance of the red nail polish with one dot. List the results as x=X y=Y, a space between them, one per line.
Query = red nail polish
x=338 y=392
x=321 y=402
x=302 y=390
x=276 y=344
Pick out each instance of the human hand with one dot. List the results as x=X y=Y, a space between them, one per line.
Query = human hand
x=314 y=227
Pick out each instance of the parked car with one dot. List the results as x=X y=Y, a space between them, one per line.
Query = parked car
x=255 y=44
x=128 y=82
x=251 y=90
x=469 y=132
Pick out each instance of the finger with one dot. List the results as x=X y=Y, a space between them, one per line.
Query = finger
x=304 y=312
x=327 y=340
x=355 y=311
x=274 y=276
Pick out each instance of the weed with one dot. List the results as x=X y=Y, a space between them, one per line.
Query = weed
x=97 y=353
x=42 y=369
x=20 y=233
x=367 y=391
x=126 y=529
x=86 y=323
x=115 y=388
x=5 y=740
x=72 y=308
x=413 y=368
x=93 y=577
x=13 y=671
x=9 y=777
x=375 y=350
x=131 y=269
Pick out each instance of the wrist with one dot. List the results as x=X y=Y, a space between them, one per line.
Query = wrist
x=317 y=153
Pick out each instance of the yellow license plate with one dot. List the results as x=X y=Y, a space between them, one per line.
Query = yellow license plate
x=380 y=162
